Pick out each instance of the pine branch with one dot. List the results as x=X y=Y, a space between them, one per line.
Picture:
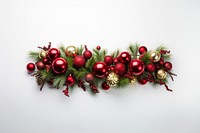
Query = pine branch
x=133 y=48
x=34 y=55
x=80 y=50
x=115 y=54
x=59 y=81
x=123 y=82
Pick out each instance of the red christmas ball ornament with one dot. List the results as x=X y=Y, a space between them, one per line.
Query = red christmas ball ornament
x=143 y=81
x=167 y=66
x=87 y=54
x=40 y=65
x=79 y=61
x=108 y=60
x=136 y=67
x=124 y=57
x=151 y=67
x=30 y=67
x=105 y=86
x=70 y=80
x=53 y=53
x=98 y=47
x=115 y=60
x=59 y=65
x=120 y=69
x=99 y=69
x=142 y=49
x=89 y=77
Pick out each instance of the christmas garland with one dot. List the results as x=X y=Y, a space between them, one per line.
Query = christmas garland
x=70 y=66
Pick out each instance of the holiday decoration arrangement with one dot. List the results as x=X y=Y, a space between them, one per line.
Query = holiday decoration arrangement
x=91 y=70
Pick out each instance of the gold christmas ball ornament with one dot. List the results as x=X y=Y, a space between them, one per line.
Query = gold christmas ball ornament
x=42 y=54
x=71 y=50
x=161 y=74
x=154 y=56
x=112 y=79
x=133 y=80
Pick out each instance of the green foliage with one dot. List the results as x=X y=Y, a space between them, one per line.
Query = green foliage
x=34 y=55
x=80 y=50
x=123 y=82
x=115 y=54
x=133 y=48
x=99 y=54
x=59 y=81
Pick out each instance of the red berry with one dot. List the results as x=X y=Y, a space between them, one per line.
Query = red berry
x=98 y=47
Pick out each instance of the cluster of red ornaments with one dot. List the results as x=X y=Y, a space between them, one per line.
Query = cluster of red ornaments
x=124 y=65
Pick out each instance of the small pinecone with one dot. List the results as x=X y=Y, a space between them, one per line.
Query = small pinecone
x=38 y=78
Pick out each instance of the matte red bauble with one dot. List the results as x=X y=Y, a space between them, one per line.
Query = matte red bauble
x=40 y=65
x=79 y=61
x=59 y=66
x=151 y=67
x=70 y=80
x=89 y=77
x=136 y=67
x=120 y=69
x=124 y=57
x=167 y=66
x=143 y=81
x=105 y=86
x=53 y=53
x=30 y=67
x=108 y=60
x=142 y=49
x=99 y=69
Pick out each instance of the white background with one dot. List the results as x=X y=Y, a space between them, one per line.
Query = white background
x=111 y=24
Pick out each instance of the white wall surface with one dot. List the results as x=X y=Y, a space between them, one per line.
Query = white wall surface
x=111 y=24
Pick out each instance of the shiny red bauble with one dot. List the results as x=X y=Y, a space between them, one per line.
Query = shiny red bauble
x=108 y=60
x=70 y=80
x=167 y=66
x=89 y=77
x=87 y=54
x=79 y=61
x=136 y=67
x=120 y=69
x=40 y=65
x=143 y=81
x=30 y=67
x=142 y=49
x=124 y=57
x=105 y=86
x=151 y=67
x=59 y=65
x=99 y=69
x=53 y=53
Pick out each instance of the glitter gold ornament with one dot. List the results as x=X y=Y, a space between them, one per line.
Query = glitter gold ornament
x=71 y=50
x=112 y=79
x=154 y=56
x=42 y=54
x=161 y=74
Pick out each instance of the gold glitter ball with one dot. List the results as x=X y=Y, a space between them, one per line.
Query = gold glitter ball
x=112 y=79
x=161 y=74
